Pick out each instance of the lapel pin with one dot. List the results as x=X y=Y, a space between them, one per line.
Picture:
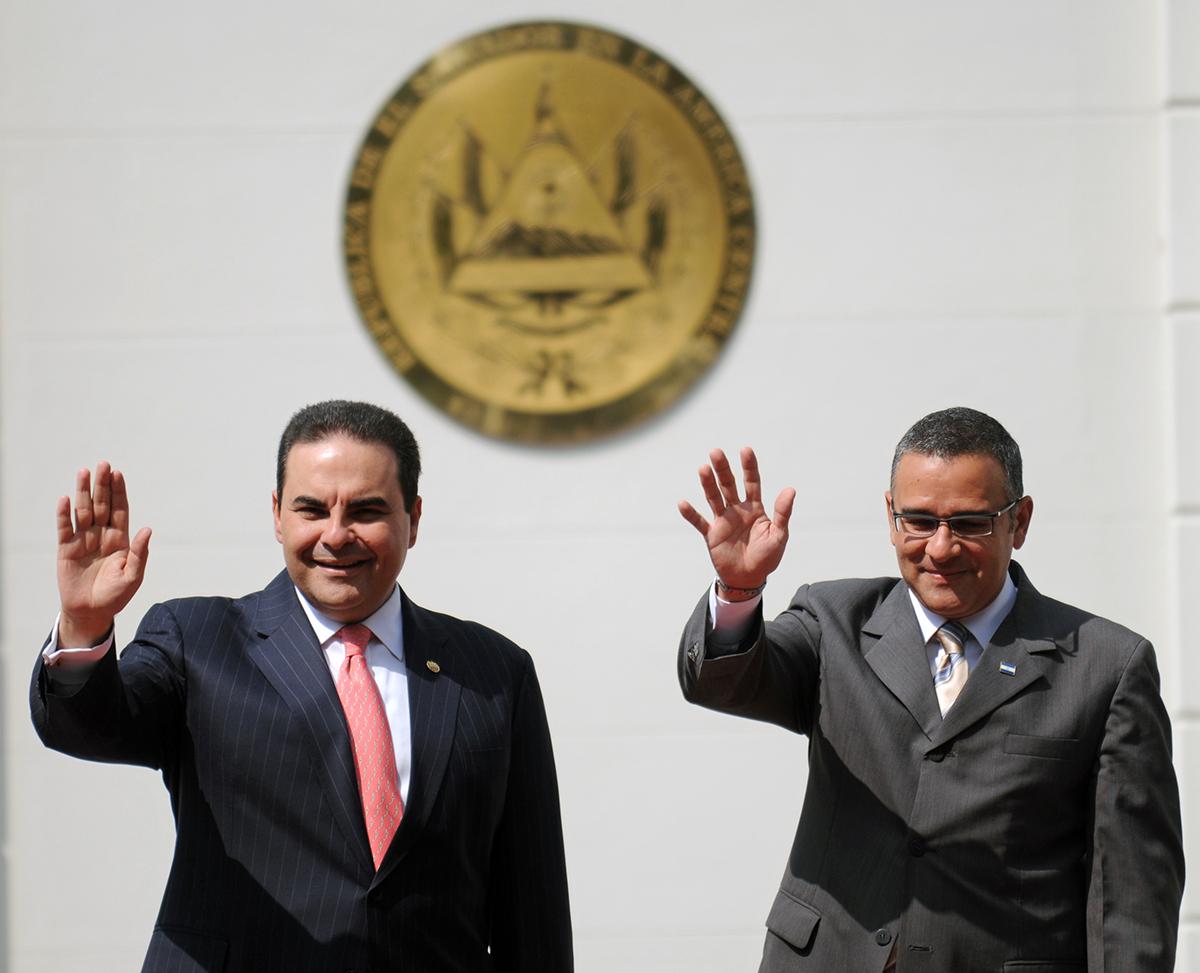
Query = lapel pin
x=1008 y=668
x=432 y=666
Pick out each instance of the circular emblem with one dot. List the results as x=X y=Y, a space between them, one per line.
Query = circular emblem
x=549 y=231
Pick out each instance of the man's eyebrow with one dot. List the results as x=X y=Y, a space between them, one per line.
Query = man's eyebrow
x=305 y=501
x=361 y=503
x=923 y=512
x=367 y=502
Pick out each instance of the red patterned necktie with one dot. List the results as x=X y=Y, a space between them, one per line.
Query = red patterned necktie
x=371 y=741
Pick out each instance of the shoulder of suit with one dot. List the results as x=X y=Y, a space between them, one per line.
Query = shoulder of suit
x=864 y=594
x=210 y=606
x=471 y=634
x=202 y=610
x=1077 y=630
x=243 y=602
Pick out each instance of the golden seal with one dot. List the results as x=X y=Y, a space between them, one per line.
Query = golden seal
x=549 y=231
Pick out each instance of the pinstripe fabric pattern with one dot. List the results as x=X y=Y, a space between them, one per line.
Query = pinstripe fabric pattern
x=233 y=702
x=1036 y=827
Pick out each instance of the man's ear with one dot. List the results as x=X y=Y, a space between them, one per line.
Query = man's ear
x=887 y=500
x=1024 y=514
x=275 y=513
x=414 y=518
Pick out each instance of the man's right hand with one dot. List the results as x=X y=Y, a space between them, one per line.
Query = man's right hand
x=99 y=569
x=745 y=545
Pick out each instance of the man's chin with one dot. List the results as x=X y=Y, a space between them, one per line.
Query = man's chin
x=941 y=599
x=334 y=599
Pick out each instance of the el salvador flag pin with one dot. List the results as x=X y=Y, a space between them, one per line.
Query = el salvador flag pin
x=1008 y=668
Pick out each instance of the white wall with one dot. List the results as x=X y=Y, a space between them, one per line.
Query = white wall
x=991 y=204
x=1181 y=212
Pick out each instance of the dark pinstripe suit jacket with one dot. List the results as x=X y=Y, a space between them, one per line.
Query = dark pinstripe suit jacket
x=233 y=701
x=1034 y=830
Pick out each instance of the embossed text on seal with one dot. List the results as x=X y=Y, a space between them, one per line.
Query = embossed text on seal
x=549 y=231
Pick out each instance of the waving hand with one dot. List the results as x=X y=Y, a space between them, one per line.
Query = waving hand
x=745 y=544
x=99 y=568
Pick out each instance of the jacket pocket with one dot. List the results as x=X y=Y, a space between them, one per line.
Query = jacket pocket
x=175 y=950
x=1044 y=965
x=1055 y=748
x=793 y=921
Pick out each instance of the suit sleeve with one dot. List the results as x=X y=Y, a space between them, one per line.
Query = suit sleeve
x=127 y=711
x=1137 y=852
x=531 y=914
x=773 y=678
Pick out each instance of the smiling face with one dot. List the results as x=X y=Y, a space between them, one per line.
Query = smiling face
x=343 y=526
x=953 y=576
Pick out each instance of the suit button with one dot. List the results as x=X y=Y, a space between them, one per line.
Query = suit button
x=916 y=847
x=883 y=937
x=937 y=756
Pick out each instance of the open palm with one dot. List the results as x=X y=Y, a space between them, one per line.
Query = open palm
x=744 y=543
x=99 y=568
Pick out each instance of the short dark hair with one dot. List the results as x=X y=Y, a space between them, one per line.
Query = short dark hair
x=359 y=420
x=960 y=431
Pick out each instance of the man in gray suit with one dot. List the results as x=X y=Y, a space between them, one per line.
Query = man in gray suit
x=990 y=784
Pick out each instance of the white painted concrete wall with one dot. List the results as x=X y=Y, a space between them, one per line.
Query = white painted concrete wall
x=991 y=203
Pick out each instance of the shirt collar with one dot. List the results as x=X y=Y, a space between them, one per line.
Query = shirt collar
x=386 y=623
x=982 y=625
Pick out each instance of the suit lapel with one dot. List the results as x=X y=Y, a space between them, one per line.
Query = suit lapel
x=289 y=656
x=434 y=688
x=899 y=658
x=1023 y=644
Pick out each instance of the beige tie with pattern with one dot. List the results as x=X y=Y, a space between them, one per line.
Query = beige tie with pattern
x=371 y=741
x=951 y=663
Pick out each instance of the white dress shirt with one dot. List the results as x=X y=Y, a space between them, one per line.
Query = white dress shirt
x=982 y=625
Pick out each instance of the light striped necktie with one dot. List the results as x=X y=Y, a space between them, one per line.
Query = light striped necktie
x=371 y=741
x=951 y=664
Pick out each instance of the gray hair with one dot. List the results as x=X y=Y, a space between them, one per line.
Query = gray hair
x=960 y=431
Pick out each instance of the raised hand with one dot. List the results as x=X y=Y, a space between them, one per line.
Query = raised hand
x=745 y=545
x=99 y=569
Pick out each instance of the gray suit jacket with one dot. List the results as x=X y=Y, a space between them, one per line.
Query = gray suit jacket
x=1035 y=829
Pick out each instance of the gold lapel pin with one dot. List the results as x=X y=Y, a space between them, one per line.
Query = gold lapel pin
x=432 y=666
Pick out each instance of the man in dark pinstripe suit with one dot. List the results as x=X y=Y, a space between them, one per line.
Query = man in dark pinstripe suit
x=235 y=702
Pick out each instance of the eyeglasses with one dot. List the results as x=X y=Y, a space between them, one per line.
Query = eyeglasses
x=961 y=525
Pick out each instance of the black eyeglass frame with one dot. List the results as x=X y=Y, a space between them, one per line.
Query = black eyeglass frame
x=950 y=522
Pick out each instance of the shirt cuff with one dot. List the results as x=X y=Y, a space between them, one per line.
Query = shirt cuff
x=732 y=620
x=70 y=666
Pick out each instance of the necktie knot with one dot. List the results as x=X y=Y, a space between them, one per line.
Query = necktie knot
x=355 y=639
x=953 y=637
